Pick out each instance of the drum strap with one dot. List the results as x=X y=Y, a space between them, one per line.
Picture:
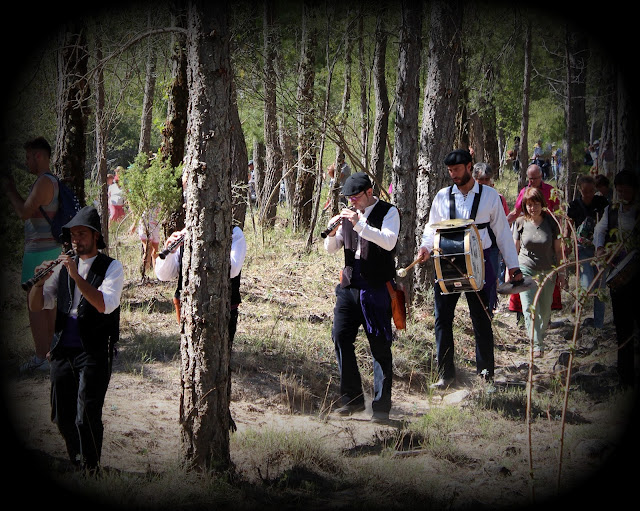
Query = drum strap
x=474 y=211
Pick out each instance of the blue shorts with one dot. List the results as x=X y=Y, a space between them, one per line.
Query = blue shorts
x=31 y=260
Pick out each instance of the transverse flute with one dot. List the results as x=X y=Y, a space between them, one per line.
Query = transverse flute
x=27 y=285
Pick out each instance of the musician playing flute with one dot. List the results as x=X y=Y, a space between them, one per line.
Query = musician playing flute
x=87 y=289
x=620 y=223
x=368 y=233
x=467 y=199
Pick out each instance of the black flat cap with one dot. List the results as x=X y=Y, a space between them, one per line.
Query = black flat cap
x=458 y=156
x=87 y=217
x=356 y=183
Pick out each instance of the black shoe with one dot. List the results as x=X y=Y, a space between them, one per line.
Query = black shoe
x=380 y=417
x=349 y=409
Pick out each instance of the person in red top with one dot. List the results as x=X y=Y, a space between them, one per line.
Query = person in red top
x=534 y=176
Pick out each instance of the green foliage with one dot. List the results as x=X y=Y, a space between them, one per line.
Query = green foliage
x=151 y=184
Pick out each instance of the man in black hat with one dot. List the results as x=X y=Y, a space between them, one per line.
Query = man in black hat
x=87 y=288
x=368 y=233
x=467 y=199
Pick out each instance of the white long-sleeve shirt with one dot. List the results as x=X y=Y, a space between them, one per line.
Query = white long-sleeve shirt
x=490 y=210
x=111 y=287
x=626 y=222
x=168 y=268
x=386 y=237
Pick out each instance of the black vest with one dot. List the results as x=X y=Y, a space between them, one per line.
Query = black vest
x=98 y=332
x=377 y=265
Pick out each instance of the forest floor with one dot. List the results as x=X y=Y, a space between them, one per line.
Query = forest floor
x=463 y=448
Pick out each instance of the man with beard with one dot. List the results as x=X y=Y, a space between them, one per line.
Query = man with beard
x=87 y=289
x=466 y=199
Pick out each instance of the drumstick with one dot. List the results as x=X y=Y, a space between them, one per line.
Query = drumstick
x=402 y=272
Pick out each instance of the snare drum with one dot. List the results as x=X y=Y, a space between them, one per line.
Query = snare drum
x=624 y=271
x=458 y=256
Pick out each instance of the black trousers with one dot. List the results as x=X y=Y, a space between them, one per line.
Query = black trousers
x=445 y=306
x=79 y=384
x=626 y=319
x=347 y=319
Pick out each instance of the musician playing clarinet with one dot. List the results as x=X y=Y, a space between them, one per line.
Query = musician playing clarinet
x=368 y=234
x=467 y=199
x=87 y=289
x=620 y=223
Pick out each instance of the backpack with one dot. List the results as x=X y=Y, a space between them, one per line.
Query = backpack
x=68 y=206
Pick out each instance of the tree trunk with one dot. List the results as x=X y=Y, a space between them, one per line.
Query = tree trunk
x=576 y=118
x=273 y=158
x=565 y=177
x=438 y=130
x=381 y=122
x=364 y=94
x=101 y=146
x=523 y=153
x=239 y=164
x=288 y=164
x=405 y=158
x=174 y=132
x=204 y=402
x=302 y=200
x=344 y=110
x=72 y=109
x=626 y=151
x=147 y=104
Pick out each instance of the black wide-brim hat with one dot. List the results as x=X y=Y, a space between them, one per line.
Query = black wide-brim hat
x=87 y=217
x=356 y=183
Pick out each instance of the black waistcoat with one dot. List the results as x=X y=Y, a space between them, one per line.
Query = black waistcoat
x=98 y=332
x=377 y=265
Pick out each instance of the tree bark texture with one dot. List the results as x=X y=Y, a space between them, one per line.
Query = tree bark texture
x=381 y=121
x=204 y=402
x=239 y=164
x=438 y=132
x=72 y=107
x=303 y=197
x=101 y=146
x=364 y=93
x=146 y=120
x=405 y=158
x=273 y=156
x=174 y=132
x=523 y=153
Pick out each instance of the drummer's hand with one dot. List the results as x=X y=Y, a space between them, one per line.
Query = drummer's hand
x=423 y=254
x=515 y=275
x=600 y=251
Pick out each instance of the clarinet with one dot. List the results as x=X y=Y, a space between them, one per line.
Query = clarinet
x=27 y=285
x=171 y=247
x=332 y=226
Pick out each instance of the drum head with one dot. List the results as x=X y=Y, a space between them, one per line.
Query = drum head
x=455 y=223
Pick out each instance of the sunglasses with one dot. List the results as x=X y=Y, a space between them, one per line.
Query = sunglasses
x=356 y=196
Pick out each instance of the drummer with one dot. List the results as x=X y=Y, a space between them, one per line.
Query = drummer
x=461 y=199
